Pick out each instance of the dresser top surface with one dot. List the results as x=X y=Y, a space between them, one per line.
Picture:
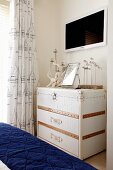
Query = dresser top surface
x=70 y=89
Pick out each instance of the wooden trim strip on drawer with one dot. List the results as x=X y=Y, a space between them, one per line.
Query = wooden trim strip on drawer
x=59 y=130
x=93 y=134
x=76 y=116
x=93 y=114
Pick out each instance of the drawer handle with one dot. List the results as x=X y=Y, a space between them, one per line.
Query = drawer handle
x=56 y=138
x=57 y=121
x=54 y=96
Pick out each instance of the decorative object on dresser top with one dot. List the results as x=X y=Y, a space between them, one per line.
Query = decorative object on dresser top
x=62 y=75
x=90 y=71
x=70 y=74
x=20 y=150
x=56 y=72
x=72 y=120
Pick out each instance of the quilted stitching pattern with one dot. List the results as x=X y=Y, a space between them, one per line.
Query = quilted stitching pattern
x=20 y=150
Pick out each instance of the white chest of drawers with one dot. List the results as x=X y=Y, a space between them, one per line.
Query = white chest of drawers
x=72 y=120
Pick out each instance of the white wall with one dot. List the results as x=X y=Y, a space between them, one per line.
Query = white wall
x=70 y=10
x=47 y=31
x=50 y=19
x=110 y=90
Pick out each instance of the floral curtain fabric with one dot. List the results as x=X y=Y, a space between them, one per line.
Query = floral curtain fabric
x=22 y=69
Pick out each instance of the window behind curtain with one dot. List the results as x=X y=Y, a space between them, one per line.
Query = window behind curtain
x=4 y=21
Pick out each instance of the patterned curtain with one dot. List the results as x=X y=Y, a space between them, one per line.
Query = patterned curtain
x=22 y=77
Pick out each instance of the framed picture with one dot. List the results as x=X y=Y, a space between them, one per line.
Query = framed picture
x=70 y=74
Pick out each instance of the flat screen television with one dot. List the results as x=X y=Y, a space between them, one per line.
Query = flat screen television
x=86 y=32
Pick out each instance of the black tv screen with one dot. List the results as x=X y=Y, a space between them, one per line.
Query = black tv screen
x=85 y=31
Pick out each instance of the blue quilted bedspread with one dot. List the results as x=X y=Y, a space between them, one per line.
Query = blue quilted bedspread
x=20 y=150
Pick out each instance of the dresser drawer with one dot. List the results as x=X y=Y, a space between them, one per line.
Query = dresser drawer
x=59 y=99
x=60 y=121
x=58 y=139
x=72 y=101
x=46 y=99
x=94 y=145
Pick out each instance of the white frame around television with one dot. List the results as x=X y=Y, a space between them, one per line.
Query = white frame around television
x=91 y=45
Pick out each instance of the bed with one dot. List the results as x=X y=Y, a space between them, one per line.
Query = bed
x=20 y=150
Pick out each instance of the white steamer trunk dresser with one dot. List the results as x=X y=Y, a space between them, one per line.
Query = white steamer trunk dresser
x=73 y=120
